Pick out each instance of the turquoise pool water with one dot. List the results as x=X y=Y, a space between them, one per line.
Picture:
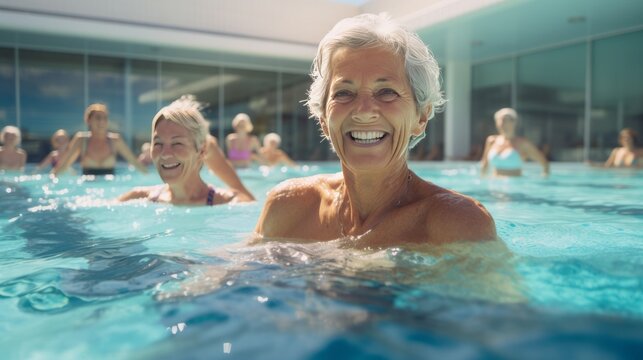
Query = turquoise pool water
x=83 y=277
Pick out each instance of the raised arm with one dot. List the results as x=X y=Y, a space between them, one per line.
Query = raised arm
x=46 y=161
x=136 y=193
x=127 y=154
x=484 y=163
x=221 y=167
x=70 y=155
x=533 y=153
x=610 y=160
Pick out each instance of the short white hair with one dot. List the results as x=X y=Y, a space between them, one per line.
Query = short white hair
x=505 y=112
x=10 y=129
x=369 y=31
x=185 y=111
x=272 y=137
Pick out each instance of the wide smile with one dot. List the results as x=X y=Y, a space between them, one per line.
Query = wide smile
x=170 y=166
x=367 y=138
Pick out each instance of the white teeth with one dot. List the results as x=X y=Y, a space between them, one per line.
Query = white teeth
x=170 y=166
x=367 y=137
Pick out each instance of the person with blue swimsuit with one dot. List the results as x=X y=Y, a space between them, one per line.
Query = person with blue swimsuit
x=506 y=152
x=179 y=150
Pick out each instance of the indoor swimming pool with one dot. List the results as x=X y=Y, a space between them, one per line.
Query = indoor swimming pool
x=85 y=277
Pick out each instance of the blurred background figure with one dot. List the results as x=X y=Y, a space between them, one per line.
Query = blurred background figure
x=242 y=147
x=145 y=157
x=59 y=144
x=98 y=147
x=271 y=154
x=12 y=157
x=506 y=151
x=628 y=155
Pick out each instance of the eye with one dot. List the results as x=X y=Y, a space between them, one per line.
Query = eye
x=343 y=96
x=386 y=95
x=177 y=143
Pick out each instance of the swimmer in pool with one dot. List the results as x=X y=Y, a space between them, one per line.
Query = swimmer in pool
x=242 y=147
x=375 y=87
x=179 y=148
x=628 y=155
x=271 y=154
x=98 y=147
x=506 y=151
x=59 y=143
x=12 y=157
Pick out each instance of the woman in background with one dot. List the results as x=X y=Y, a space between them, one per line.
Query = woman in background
x=242 y=147
x=628 y=155
x=506 y=151
x=12 y=157
x=59 y=143
x=270 y=152
x=98 y=147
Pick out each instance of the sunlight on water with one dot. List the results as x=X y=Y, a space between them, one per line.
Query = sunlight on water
x=83 y=276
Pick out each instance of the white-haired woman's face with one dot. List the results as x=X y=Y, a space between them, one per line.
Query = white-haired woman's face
x=506 y=124
x=174 y=152
x=371 y=112
x=10 y=139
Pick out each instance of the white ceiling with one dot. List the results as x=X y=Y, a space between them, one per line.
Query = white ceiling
x=284 y=33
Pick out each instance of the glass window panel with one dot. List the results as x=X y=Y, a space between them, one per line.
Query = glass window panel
x=7 y=88
x=551 y=100
x=204 y=82
x=295 y=120
x=107 y=86
x=254 y=93
x=145 y=99
x=432 y=146
x=490 y=91
x=51 y=97
x=617 y=91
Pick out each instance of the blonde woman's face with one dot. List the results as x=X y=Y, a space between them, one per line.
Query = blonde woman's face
x=98 y=120
x=174 y=152
x=243 y=126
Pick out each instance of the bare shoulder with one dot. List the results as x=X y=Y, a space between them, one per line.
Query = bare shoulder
x=212 y=141
x=292 y=202
x=491 y=139
x=456 y=217
x=114 y=136
x=136 y=193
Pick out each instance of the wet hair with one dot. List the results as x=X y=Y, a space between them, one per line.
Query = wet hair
x=10 y=129
x=372 y=31
x=185 y=111
x=272 y=136
x=242 y=117
x=96 y=107
x=505 y=112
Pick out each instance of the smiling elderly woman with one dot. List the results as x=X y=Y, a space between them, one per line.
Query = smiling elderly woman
x=375 y=86
x=179 y=148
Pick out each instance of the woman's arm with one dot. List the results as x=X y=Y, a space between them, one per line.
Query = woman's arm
x=221 y=167
x=484 y=163
x=127 y=154
x=610 y=160
x=533 y=153
x=136 y=193
x=46 y=161
x=70 y=155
